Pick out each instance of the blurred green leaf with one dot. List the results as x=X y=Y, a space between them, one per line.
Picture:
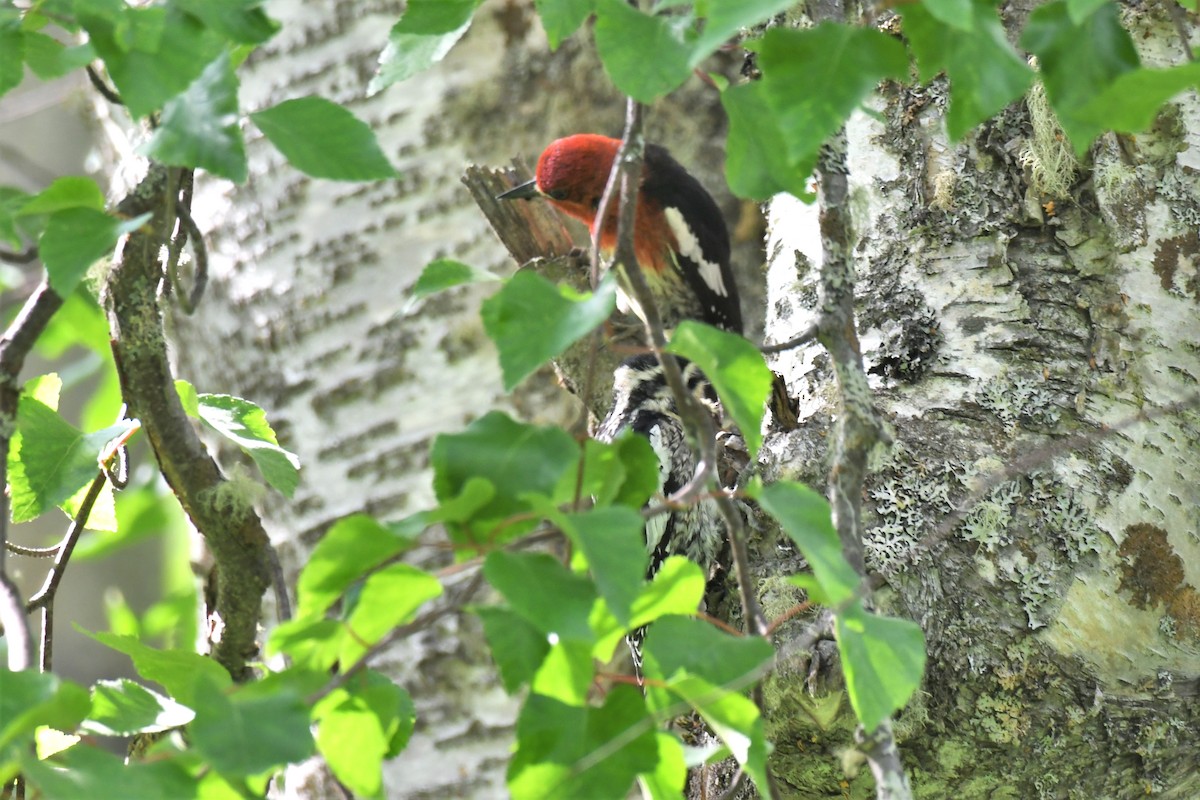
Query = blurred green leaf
x=645 y=55
x=667 y=780
x=883 y=660
x=1080 y=59
x=50 y=58
x=736 y=370
x=237 y=20
x=241 y=733
x=445 y=273
x=69 y=192
x=359 y=726
x=30 y=699
x=557 y=745
x=732 y=717
x=199 y=128
x=531 y=321
x=245 y=424
x=805 y=517
x=351 y=547
x=723 y=19
x=1131 y=102
x=985 y=72
x=175 y=670
x=324 y=140
x=75 y=238
x=88 y=771
x=124 y=707
x=561 y=18
x=12 y=50
x=390 y=597
x=544 y=592
x=756 y=153
x=151 y=53
x=518 y=648
x=518 y=459
x=50 y=459
x=422 y=37
x=614 y=543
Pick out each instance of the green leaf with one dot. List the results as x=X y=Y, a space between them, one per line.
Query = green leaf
x=561 y=18
x=985 y=73
x=31 y=699
x=518 y=459
x=11 y=201
x=350 y=548
x=685 y=644
x=677 y=588
x=624 y=472
x=361 y=725
x=614 y=543
x=188 y=398
x=847 y=62
x=313 y=643
x=389 y=597
x=566 y=751
x=445 y=273
x=1079 y=61
x=1080 y=10
x=531 y=321
x=12 y=51
x=50 y=58
x=433 y=17
x=566 y=674
x=805 y=517
x=86 y=771
x=50 y=459
x=724 y=18
x=123 y=708
x=324 y=140
x=69 y=192
x=732 y=717
x=406 y=54
x=241 y=734
x=644 y=55
x=882 y=658
x=667 y=780
x=756 y=153
x=544 y=592
x=1132 y=101
x=199 y=128
x=958 y=14
x=75 y=238
x=245 y=424
x=736 y=369
x=237 y=20
x=175 y=670
x=518 y=648
x=151 y=54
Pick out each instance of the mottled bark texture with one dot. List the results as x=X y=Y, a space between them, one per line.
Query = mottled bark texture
x=1009 y=299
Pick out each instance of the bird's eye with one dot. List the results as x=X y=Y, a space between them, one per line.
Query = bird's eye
x=595 y=203
x=556 y=194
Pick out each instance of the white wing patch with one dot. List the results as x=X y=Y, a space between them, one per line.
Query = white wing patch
x=689 y=246
x=656 y=526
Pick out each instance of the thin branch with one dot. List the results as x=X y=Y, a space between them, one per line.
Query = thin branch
x=15 y=345
x=858 y=426
x=44 y=599
x=106 y=91
x=807 y=336
x=27 y=257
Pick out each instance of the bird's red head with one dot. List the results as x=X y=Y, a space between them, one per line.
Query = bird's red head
x=572 y=172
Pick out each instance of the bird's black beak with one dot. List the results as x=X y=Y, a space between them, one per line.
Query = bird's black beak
x=523 y=191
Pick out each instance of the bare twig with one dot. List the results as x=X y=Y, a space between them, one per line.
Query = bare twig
x=15 y=345
x=28 y=256
x=44 y=598
x=807 y=336
x=106 y=91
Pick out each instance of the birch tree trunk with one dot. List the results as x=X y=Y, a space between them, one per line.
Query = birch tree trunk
x=1029 y=323
x=308 y=314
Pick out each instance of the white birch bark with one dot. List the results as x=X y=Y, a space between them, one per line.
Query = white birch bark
x=1005 y=304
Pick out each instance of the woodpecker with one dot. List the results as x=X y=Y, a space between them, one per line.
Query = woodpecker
x=680 y=239
x=643 y=403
